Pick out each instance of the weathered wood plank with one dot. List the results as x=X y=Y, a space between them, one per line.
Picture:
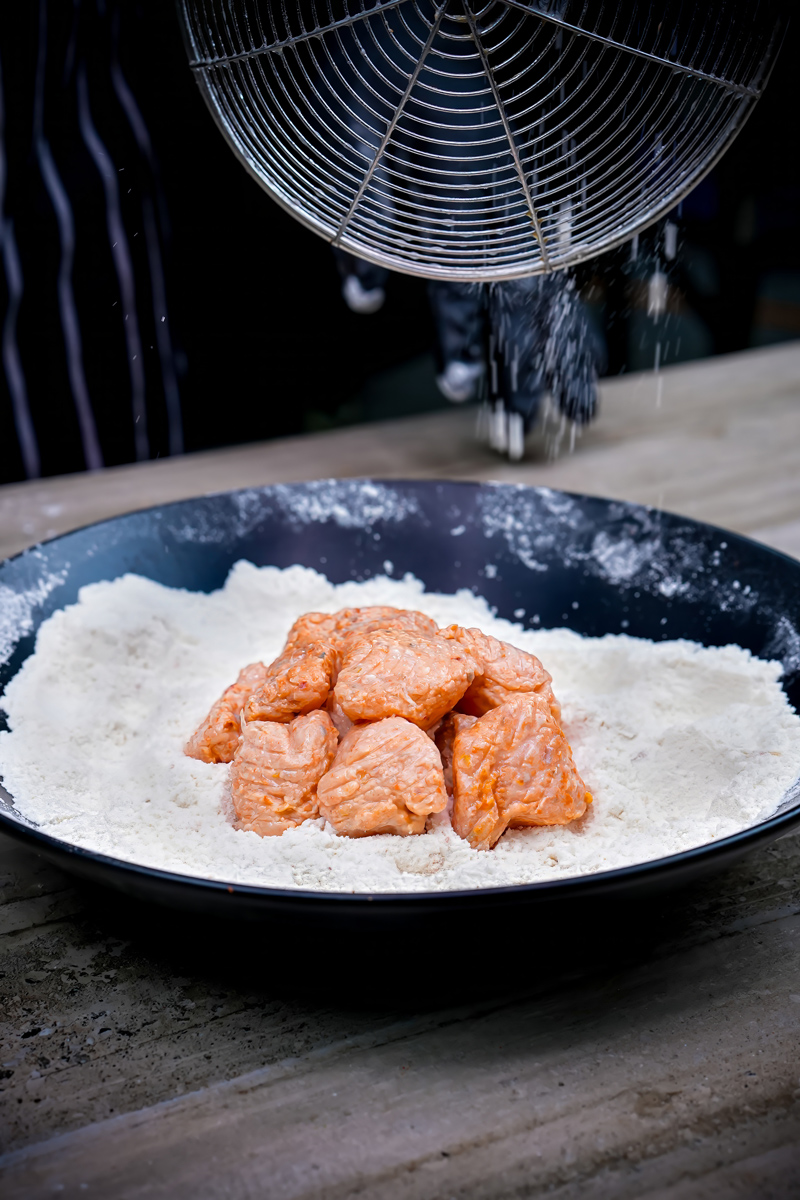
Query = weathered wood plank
x=698 y=438
x=678 y=1064
x=107 y=1014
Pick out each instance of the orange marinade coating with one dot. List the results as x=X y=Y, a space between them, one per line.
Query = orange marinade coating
x=445 y=742
x=311 y=627
x=276 y=770
x=397 y=673
x=336 y=628
x=297 y=682
x=357 y=622
x=216 y=739
x=502 y=670
x=386 y=778
x=343 y=724
x=513 y=768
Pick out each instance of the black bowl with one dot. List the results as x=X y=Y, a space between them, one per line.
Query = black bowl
x=597 y=566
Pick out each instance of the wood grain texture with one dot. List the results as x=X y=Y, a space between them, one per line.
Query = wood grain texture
x=642 y=1051
x=717 y=440
x=167 y=1064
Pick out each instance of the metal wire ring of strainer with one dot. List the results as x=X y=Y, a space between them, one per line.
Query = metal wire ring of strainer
x=480 y=139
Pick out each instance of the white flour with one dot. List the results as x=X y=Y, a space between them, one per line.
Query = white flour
x=679 y=745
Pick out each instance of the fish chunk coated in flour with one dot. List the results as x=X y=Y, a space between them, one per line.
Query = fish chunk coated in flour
x=502 y=671
x=340 y=627
x=513 y=768
x=357 y=622
x=276 y=770
x=386 y=778
x=398 y=673
x=445 y=739
x=297 y=682
x=216 y=738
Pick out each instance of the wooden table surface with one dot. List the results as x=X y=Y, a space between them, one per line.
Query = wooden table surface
x=653 y=1054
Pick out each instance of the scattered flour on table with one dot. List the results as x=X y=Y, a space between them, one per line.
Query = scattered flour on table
x=679 y=744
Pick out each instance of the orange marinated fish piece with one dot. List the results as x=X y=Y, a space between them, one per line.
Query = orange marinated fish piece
x=343 y=724
x=312 y=627
x=502 y=670
x=358 y=622
x=339 y=628
x=513 y=768
x=386 y=778
x=216 y=739
x=276 y=770
x=297 y=682
x=445 y=741
x=336 y=628
x=397 y=673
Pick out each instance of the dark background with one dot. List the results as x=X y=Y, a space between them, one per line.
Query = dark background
x=255 y=335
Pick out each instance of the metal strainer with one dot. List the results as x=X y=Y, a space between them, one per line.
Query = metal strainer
x=480 y=139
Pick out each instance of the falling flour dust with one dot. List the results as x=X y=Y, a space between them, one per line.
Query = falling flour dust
x=679 y=744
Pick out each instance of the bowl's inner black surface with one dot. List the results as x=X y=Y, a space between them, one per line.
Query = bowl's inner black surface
x=594 y=565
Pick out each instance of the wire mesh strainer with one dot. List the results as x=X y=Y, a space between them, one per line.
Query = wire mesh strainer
x=466 y=139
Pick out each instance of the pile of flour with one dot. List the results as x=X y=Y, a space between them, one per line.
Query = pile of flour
x=678 y=744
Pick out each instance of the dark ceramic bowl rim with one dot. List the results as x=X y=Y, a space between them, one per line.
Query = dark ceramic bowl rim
x=573 y=885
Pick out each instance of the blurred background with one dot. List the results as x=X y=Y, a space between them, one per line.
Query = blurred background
x=154 y=301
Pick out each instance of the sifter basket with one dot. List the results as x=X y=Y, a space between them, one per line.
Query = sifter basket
x=473 y=140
